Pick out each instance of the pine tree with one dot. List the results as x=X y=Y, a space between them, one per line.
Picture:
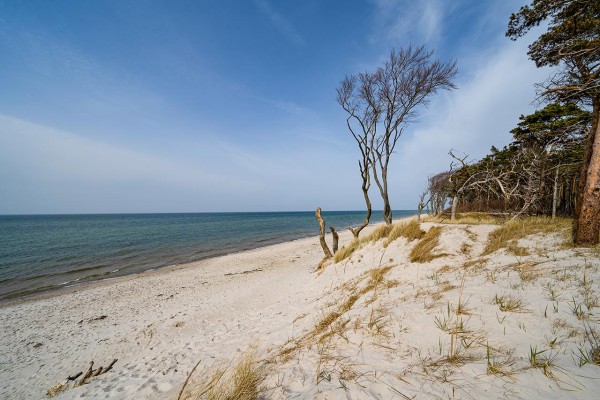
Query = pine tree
x=572 y=43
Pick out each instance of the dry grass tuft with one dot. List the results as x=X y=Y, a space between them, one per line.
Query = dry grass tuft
x=377 y=275
x=527 y=271
x=347 y=305
x=423 y=251
x=244 y=382
x=326 y=322
x=409 y=230
x=475 y=264
x=346 y=251
x=332 y=323
x=472 y=218
x=380 y=233
x=508 y=303
x=507 y=235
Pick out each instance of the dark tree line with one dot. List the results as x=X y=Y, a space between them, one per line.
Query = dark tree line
x=571 y=43
x=553 y=164
x=537 y=173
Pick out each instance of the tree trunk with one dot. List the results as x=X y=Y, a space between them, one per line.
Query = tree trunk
x=555 y=193
x=365 y=188
x=336 y=239
x=387 y=209
x=454 y=205
x=587 y=222
x=421 y=205
x=382 y=185
x=541 y=206
x=322 y=234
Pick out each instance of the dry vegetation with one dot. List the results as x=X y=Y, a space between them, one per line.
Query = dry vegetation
x=242 y=382
x=510 y=232
x=489 y=325
x=472 y=218
x=410 y=230
x=423 y=250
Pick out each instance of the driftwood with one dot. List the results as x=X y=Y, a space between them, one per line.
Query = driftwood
x=243 y=272
x=72 y=378
x=322 y=234
x=336 y=239
x=91 y=372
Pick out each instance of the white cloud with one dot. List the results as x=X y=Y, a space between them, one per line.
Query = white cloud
x=479 y=114
x=402 y=20
x=45 y=170
x=51 y=169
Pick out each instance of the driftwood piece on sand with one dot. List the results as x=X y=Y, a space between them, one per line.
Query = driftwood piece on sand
x=73 y=377
x=322 y=234
x=244 y=272
x=336 y=239
x=91 y=372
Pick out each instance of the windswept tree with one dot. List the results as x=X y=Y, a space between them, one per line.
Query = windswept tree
x=572 y=43
x=535 y=174
x=361 y=121
x=381 y=104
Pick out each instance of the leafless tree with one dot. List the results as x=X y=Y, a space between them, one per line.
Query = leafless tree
x=422 y=204
x=438 y=189
x=381 y=104
x=361 y=121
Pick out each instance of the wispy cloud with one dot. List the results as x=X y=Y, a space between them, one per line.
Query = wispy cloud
x=480 y=114
x=50 y=168
x=287 y=106
x=47 y=170
x=402 y=20
x=281 y=23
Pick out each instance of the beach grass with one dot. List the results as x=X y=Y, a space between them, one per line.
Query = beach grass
x=410 y=230
x=240 y=382
x=470 y=218
x=423 y=250
x=510 y=232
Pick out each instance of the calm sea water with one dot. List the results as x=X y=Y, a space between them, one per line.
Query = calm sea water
x=41 y=252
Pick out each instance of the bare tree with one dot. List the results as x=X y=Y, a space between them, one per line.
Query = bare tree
x=384 y=102
x=438 y=188
x=361 y=121
x=422 y=204
x=459 y=162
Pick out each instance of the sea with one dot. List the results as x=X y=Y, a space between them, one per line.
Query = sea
x=46 y=252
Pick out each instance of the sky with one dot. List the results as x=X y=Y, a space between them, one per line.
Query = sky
x=201 y=106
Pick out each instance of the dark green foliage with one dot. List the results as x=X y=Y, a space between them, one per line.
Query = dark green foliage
x=573 y=30
x=571 y=42
x=554 y=125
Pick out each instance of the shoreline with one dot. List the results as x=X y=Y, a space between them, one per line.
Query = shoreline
x=164 y=259
x=177 y=314
x=61 y=290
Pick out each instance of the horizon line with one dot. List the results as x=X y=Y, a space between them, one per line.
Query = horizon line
x=184 y=212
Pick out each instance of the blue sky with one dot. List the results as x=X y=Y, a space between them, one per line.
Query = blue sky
x=180 y=106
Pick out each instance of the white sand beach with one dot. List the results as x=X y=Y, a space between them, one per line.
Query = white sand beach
x=374 y=325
